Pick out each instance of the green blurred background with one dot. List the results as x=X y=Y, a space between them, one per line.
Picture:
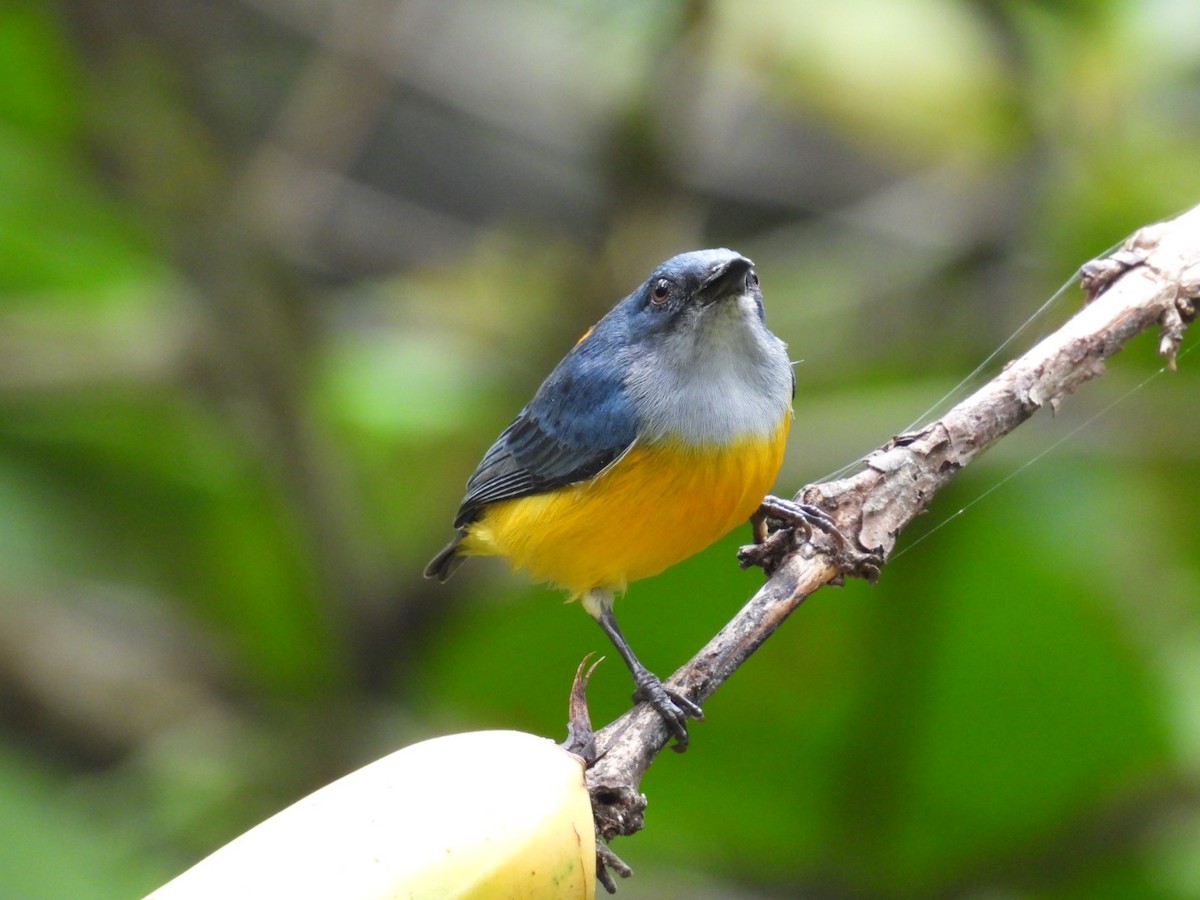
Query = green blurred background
x=273 y=273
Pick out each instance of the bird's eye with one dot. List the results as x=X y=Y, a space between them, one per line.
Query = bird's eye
x=752 y=279
x=660 y=292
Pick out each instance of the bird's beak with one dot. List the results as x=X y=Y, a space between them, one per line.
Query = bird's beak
x=725 y=280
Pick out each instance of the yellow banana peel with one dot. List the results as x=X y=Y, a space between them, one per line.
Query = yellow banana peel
x=487 y=814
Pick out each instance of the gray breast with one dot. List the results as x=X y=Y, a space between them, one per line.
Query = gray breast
x=723 y=378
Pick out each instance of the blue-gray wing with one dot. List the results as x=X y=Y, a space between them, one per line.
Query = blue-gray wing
x=578 y=422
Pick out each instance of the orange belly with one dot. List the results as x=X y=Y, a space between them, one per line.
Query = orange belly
x=654 y=507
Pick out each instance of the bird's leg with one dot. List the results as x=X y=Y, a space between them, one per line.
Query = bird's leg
x=671 y=705
x=674 y=708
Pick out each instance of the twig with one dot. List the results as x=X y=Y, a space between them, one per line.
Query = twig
x=1153 y=279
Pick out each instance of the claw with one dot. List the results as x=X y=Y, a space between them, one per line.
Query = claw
x=671 y=705
x=771 y=547
x=800 y=515
x=674 y=708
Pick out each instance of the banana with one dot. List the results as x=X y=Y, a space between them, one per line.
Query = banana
x=487 y=814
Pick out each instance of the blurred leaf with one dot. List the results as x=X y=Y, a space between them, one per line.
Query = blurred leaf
x=51 y=848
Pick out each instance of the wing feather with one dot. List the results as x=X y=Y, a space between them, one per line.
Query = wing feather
x=578 y=422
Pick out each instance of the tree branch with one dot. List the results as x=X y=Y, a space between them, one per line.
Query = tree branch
x=1153 y=279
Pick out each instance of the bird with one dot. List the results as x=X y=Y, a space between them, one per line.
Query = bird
x=657 y=434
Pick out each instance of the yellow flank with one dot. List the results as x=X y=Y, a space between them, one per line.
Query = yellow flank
x=656 y=506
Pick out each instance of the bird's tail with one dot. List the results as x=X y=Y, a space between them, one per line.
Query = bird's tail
x=448 y=559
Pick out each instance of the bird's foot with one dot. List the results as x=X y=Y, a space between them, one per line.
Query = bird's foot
x=778 y=523
x=790 y=514
x=674 y=708
x=775 y=525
